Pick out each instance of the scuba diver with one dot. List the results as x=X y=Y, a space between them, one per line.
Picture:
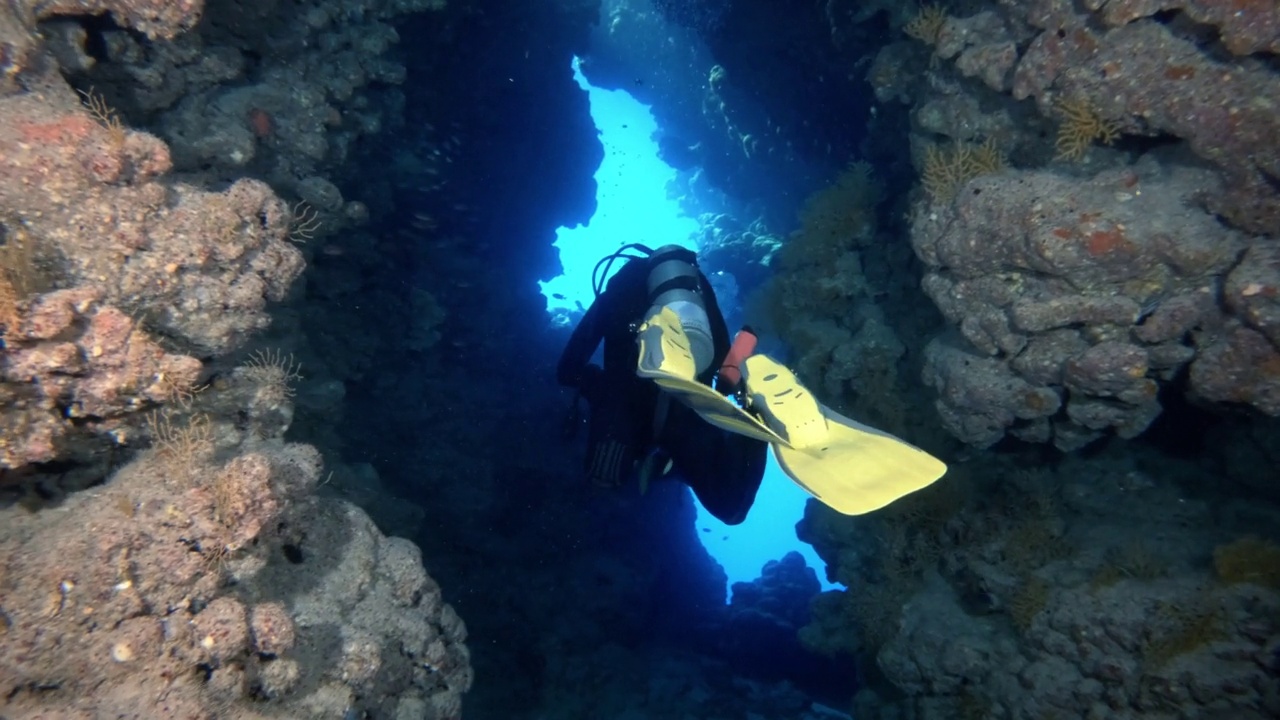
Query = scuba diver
x=635 y=429
x=654 y=411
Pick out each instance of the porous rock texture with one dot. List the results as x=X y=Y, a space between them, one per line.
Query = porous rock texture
x=163 y=552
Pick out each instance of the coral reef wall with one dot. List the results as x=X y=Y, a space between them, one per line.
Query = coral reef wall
x=1048 y=254
x=1086 y=283
x=1089 y=247
x=276 y=380
x=163 y=552
x=288 y=218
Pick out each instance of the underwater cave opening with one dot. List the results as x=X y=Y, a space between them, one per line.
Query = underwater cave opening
x=636 y=203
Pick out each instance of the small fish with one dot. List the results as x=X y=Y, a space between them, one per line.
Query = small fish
x=558 y=296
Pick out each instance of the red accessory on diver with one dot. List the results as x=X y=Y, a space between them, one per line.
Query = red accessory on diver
x=744 y=344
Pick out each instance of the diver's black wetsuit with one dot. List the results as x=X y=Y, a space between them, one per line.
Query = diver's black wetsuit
x=723 y=468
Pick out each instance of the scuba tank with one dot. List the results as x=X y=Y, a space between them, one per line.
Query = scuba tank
x=673 y=283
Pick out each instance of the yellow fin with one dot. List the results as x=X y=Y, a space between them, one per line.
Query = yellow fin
x=664 y=348
x=665 y=359
x=788 y=407
x=850 y=467
x=859 y=469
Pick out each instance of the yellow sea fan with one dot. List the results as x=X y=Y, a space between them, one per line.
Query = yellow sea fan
x=946 y=171
x=927 y=24
x=1249 y=559
x=840 y=215
x=1081 y=125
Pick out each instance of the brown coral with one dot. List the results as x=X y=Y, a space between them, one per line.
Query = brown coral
x=242 y=497
x=1245 y=26
x=222 y=630
x=272 y=628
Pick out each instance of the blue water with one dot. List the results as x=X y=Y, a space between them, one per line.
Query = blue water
x=631 y=195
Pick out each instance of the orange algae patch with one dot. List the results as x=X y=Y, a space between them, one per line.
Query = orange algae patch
x=65 y=129
x=1101 y=242
x=260 y=122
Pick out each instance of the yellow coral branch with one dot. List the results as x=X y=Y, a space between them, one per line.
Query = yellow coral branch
x=946 y=172
x=926 y=26
x=1081 y=125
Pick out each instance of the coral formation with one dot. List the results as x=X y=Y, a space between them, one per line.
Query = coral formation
x=745 y=251
x=167 y=170
x=209 y=596
x=1086 y=297
x=202 y=577
x=139 y=260
x=1080 y=300
x=821 y=301
x=1080 y=330
x=1004 y=608
x=1153 y=79
x=765 y=614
